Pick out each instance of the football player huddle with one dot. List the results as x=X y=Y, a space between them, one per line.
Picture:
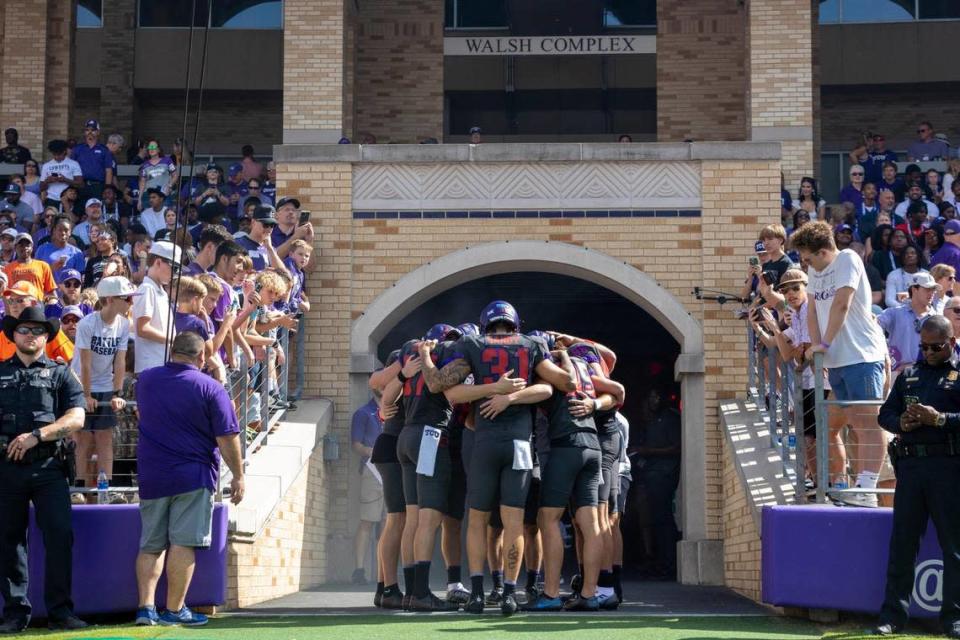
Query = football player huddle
x=511 y=430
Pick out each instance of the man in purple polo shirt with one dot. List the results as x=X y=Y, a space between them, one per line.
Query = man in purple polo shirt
x=288 y=229
x=949 y=253
x=178 y=459
x=95 y=160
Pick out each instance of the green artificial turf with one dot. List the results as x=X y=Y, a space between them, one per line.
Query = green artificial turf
x=448 y=627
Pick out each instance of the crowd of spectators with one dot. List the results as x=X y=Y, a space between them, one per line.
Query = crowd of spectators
x=894 y=225
x=127 y=263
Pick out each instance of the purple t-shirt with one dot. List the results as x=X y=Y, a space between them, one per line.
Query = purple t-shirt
x=296 y=288
x=190 y=322
x=366 y=426
x=177 y=451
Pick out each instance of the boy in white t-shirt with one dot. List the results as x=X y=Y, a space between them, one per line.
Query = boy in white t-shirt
x=100 y=363
x=151 y=310
x=842 y=327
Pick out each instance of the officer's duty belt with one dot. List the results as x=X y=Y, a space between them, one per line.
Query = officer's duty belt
x=939 y=449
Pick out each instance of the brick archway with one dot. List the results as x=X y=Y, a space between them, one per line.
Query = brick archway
x=700 y=559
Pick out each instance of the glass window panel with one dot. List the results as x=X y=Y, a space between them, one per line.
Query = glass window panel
x=630 y=13
x=829 y=11
x=89 y=13
x=877 y=10
x=448 y=14
x=247 y=14
x=171 y=13
x=473 y=14
x=939 y=9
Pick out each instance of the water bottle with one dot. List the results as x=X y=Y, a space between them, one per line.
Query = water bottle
x=102 y=485
x=792 y=443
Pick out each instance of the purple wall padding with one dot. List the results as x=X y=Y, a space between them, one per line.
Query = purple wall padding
x=106 y=541
x=836 y=558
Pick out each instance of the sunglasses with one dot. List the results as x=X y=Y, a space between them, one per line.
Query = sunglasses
x=251 y=187
x=26 y=331
x=922 y=130
x=69 y=320
x=71 y=284
x=856 y=174
x=794 y=288
x=932 y=347
x=153 y=147
x=12 y=300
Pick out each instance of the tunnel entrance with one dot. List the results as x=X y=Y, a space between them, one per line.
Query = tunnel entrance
x=646 y=355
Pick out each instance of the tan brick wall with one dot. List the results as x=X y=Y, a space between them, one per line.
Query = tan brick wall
x=58 y=92
x=700 y=70
x=291 y=552
x=780 y=79
x=741 y=539
x=399 y=86
x=313 y=66
x=22 y=85
x=116 y=72
x=359 y=259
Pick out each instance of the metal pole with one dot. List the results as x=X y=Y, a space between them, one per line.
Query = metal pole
x=823 y=449
x=285 y=370
x=751 y=360
x=800 y=451
x=783 y=424
x=244 y=398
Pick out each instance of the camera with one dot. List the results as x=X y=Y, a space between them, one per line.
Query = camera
x=769 y=277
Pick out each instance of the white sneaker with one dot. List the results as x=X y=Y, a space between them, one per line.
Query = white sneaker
x=860 y=499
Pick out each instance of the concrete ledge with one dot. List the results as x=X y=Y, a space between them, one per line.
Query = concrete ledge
x=688 y=363
x=272 y=470
x=759 y=467
x=700 y=562
x=526 y=152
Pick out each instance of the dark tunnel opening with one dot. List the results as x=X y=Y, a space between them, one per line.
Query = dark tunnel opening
x=646 y=351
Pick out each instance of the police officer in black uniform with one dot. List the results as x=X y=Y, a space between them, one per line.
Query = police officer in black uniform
x=41 y=403
x=923 y=410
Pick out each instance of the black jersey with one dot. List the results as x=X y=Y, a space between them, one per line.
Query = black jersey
x=392 y=426
x=420 y=406
x=562 y=425
x=489 y=358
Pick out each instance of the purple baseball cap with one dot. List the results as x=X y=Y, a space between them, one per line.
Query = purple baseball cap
x=68 y=274
x=951 y=227
x=235 y=168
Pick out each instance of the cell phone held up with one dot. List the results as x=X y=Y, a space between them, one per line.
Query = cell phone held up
x=304 y=218
x=769 y=277
x=754 y=261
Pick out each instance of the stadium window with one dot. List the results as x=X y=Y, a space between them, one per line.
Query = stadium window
x=630 y=13
x=247 y=14
x=89 y=14
x=475 y=14
x=226 y=14
x=939 y=9
x=170 y=13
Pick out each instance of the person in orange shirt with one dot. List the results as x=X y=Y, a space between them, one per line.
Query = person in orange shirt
x=25 y=294
x=26 y=268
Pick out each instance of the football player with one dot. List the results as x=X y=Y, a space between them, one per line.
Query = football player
x=502 y=459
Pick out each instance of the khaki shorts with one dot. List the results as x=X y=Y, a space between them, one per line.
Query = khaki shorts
x=886 y=469
x=371 y=497
x=185 y=520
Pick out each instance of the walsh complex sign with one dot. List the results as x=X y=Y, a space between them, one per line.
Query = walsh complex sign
x=549 y=45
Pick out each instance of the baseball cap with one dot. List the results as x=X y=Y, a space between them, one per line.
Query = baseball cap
x=12 y=189
x=287 y=200
x=265 y=215
x=71 y=310
x=843 y=227
x=951 y=227
x=24 y=236
x=93 y=202
x=23 y=288
x=213 y=166
x=68 y=274
x=923 y=279
x=166 y=250
x=343 y=141
x=115 y=286
x=759 y=247
x=792 y=276
x=235 y=168
x=91 y=124
x=474 y=130
x=10 y=233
